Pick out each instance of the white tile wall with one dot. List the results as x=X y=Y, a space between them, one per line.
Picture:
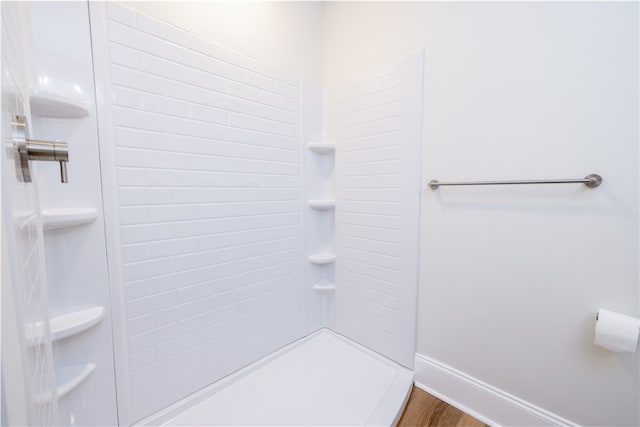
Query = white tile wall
x=208 y=156
x=377 y=211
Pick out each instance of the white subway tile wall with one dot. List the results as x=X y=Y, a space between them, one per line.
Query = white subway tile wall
x=208 y=157
x=378 y=193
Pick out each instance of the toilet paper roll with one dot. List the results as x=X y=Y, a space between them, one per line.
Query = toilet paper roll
x=617 y=332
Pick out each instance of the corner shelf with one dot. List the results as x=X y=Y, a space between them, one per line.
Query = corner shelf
x=66 y=324
x=66 y=379
x=324 y=285
x=322 y=147
x=322 y=258
x=322 y=205
x=70 y=377
x=74 y=322
x=67 y=217
x=51 y=104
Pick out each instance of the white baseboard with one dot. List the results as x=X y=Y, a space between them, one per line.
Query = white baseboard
x=478 y=399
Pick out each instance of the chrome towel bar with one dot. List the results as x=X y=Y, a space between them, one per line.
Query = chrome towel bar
x=590 y=181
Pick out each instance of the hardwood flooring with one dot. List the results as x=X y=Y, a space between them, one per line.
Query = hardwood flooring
x=425 y=410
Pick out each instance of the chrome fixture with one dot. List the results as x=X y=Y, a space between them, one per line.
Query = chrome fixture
x=31 y=149
x=590 y=181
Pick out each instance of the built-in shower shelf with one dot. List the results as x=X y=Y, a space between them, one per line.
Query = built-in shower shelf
x=66 y=324
x=74 y=322
x=323 y=258
x=322 y=205
x=67 y=217
x=70 y=377
x=51 y=104
x=324 y=285
x=322 y=147
x=66 y=379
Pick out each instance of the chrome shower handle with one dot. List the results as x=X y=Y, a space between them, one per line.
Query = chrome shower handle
x=31 y=149
x=47 y=151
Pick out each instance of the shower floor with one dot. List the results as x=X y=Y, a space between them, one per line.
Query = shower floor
x=323 y=379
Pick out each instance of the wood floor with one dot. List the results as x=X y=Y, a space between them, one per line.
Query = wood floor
x=424 y=409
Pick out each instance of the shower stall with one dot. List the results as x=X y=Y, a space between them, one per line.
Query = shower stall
x=235 y=244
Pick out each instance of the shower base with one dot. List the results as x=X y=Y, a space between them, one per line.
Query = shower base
x=323 y=379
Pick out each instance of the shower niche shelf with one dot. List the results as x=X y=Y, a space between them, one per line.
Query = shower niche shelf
x=55 y=105
x=322 y=205
x=67 y=217
x=324 y=285
x=66 y=324
x=66 y=379
x=322 y=258
x=322 y=147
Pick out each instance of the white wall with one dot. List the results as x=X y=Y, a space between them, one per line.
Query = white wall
x=511 y=278
x=286 y=35
x=27 y=367
x=15 y=406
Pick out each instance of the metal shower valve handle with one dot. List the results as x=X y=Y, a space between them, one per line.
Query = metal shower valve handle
x=47 y=151
x=31 y=149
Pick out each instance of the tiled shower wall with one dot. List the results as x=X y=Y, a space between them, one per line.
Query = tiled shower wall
x=379 y=115
x=208 y=161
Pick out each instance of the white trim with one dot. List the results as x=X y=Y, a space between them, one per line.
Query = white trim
x=110 y=203
x=478 y=399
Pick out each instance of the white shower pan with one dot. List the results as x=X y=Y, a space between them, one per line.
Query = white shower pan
x=324 y=379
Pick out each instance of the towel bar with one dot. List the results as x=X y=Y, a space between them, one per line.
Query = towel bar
x=590 y=181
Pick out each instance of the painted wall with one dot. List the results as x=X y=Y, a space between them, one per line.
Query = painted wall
x=286 y=35
x=511 y=277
